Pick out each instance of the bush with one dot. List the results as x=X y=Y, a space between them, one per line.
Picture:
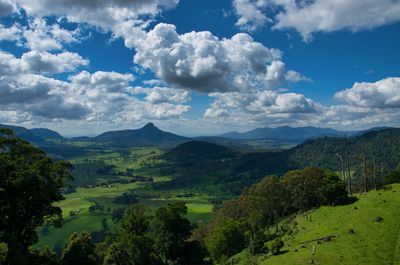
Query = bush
x=275 y=245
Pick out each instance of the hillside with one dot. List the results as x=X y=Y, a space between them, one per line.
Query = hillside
x=244 y=168
x=149 y=135
x=198 y=150
x=24 y=133
x=47 y=133
x=285 y=133
x=373 y=242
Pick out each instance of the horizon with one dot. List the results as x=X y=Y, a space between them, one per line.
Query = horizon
x=199 y=68
x=195 y=135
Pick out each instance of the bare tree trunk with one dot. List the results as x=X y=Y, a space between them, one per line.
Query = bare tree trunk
x=364 y=159
x=342 y=173
x=348 y=165
x=375 y=185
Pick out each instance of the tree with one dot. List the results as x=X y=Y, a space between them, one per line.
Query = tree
x=133 y=245
x=43 y=257
x=30 y=183
x=226 y=239
x=170 y=230
x=80 y=250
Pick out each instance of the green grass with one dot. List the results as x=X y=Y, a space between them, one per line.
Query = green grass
x=199 y=209
x=373 y=243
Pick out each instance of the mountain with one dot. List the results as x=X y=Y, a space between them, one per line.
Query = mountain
x=284 y=133
x=24 y=133
x=47 y=133
x=149 y=135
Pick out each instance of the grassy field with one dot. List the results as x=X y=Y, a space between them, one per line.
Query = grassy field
x=372 y=243
x=199 y=209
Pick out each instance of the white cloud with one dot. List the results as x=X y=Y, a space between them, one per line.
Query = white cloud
x=163 y=94
x=381 y=94
x=43 y=37
x=12 y=33
x=202 y=62
x=259 y=105
x=308 y=17
x=48 y=63
x=105 y=14
x=250 y=14
x=34 y=62
x=112 y=82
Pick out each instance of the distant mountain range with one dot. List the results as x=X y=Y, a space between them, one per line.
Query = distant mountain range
x=150 y=135
x=284 y=133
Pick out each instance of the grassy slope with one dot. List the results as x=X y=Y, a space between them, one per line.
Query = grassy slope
x=372 y=243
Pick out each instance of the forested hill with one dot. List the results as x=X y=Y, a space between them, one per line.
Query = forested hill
x=237 y=170
x=383 y=146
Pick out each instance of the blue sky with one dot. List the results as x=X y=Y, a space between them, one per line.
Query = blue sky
x=199 y=67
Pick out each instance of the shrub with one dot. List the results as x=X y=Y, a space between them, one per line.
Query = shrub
x=275 y=245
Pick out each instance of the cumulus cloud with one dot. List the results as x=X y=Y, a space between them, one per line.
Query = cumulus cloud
x=103 y=81
x=259 y=105
x=202 y=62
x=381 y=94
x=34 y=62
x=308 y=17
x=48 y=63
x=6 y=7
x=105 y=14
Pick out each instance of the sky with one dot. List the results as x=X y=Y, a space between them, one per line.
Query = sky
x=199 y=67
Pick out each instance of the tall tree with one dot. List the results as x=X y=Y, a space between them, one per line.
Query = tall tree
x=80 y=250
x=170 y=231
x=30 y=183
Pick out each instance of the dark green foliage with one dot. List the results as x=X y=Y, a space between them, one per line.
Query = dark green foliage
x=80 y=250
x=30 y=183
x=170 y=231
x=134 y=246
x=226 y=239
x=96 y=207
x=117 y=214
x=392 y=176
x=125 y=198
x=43 y=257
x=275 y=245
x=3 y=253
